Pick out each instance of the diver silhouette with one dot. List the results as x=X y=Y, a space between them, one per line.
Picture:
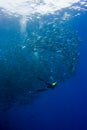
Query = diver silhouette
x=48 y=85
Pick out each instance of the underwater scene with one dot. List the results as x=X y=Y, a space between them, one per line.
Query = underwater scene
x=43 y=65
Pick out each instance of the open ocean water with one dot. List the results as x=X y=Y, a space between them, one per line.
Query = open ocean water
x=43 y=42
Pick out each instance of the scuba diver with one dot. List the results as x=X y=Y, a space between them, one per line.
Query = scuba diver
x=48 y=85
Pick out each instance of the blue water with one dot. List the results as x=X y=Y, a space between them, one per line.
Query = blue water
x=65 y=107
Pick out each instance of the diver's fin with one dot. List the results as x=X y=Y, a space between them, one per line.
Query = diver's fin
x=42 y=90
x=40 y=79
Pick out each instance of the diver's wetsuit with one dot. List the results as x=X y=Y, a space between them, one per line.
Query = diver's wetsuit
x=48 y=85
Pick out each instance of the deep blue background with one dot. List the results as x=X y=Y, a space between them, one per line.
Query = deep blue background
x=64 y=108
